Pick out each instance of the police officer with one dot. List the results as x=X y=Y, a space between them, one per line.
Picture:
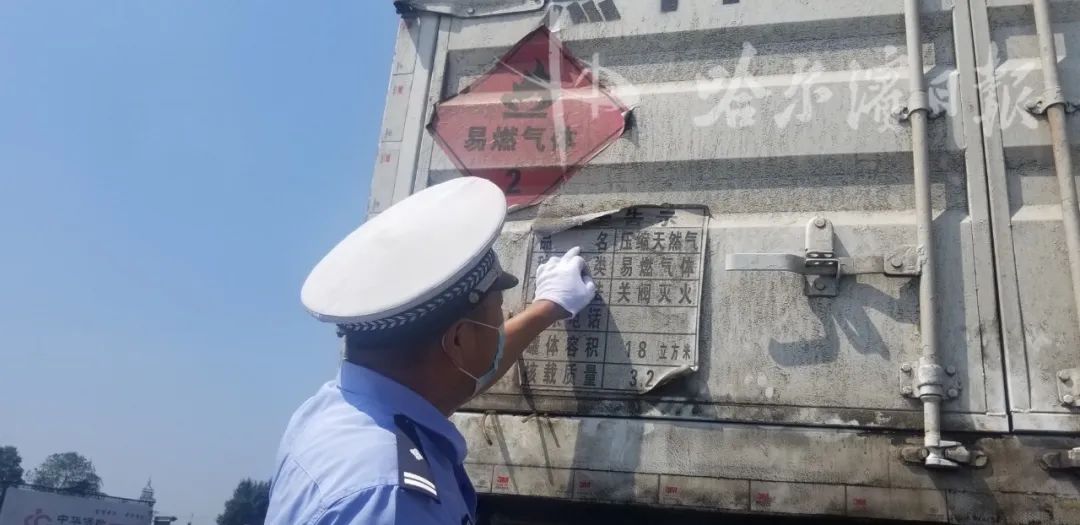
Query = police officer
x=416 y=293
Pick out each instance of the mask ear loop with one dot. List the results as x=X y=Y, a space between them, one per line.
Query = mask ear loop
x=442 y=345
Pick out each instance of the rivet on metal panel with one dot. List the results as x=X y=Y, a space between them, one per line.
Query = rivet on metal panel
x=951 y=370
x=1063 y=375
x=821 y=286
x=907 y=391
x=903 y=261
x=819 y=222
x=1068 y=399
x=906 y=368
x=470 y=10
x=953 y=393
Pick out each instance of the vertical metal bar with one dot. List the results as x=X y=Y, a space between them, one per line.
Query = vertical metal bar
x=920 y=150
x=422 y=178
x=1059 y=140
x=416 y=117
x=932 y=422
x=930 y=387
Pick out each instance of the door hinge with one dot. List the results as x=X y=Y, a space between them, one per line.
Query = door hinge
x=819 y=263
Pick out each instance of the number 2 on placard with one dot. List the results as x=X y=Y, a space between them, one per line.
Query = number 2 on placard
x=649 y=375
x=515 y=180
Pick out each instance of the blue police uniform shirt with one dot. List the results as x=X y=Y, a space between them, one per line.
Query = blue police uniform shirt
x=366 y=449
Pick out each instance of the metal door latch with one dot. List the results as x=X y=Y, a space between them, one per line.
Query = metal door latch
x=819 y=263
x=1068 y=386
x=1062 y=460
x=953 y=455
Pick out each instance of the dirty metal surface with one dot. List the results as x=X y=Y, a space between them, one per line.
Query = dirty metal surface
x=641 y=331
x=770 y=114
x=1038 y=314
x=781 y=470
x=517 y=510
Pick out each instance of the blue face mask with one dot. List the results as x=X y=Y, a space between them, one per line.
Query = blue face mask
x=488 y=377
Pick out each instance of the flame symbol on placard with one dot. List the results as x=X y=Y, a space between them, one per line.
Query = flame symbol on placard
x=532 y=94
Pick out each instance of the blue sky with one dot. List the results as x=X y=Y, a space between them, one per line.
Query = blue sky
x=169 y=172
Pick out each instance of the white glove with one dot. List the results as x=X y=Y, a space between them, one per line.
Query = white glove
x=566 y=282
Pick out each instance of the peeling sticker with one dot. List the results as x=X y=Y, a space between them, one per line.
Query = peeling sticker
x=642 y=329
x=550 y=226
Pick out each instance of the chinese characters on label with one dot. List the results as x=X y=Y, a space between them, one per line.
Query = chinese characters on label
x=506 y=138
x=642 y=327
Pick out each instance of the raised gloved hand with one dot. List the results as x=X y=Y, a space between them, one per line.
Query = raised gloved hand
x=566 y=282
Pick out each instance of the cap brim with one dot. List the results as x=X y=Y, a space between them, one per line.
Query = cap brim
x=504 y=281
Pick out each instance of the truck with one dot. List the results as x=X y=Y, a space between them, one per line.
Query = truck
x=837 y=242
x=32 y=505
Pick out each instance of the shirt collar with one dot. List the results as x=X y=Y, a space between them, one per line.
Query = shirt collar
x=400 y=399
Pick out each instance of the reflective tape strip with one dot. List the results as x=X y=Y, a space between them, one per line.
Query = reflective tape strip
x=420 y=485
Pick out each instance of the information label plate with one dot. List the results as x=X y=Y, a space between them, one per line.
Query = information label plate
x=642 y=328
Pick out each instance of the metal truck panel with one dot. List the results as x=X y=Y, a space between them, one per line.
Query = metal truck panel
x=712 y=493
x=23 y=504
x=793 y=358
x=1038 y=312
x=767 y=114
x=777 y=469
x=404 y=117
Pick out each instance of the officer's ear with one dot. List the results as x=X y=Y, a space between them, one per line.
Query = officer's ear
x=457 y=339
